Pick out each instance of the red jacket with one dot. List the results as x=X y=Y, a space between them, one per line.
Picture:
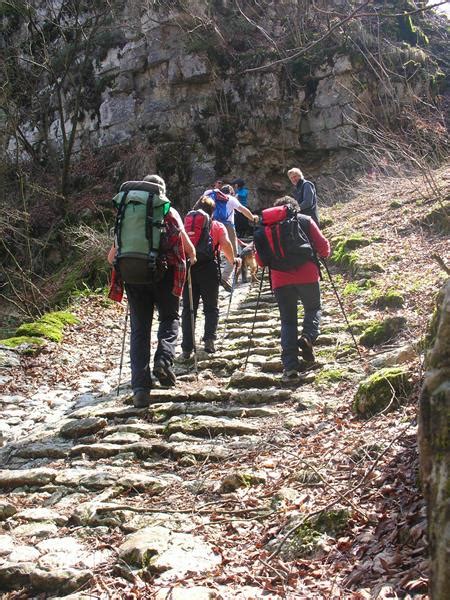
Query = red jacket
x=308 y=272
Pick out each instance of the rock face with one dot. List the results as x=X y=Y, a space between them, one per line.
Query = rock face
x=199 y=92
x=434 y=448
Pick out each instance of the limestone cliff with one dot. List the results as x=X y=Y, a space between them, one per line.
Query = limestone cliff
x=221 y=88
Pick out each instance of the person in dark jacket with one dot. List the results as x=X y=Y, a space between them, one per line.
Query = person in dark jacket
x=300 y=283
x=304 y=194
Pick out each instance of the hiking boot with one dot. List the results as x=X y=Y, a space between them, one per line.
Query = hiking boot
x=185 y=355
x=306 y=347
x=141 y=398
x=209 y=346
x=290 y=375
x=226 y=286
x=164 y=374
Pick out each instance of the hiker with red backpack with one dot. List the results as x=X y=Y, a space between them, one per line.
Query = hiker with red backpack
x=209 y=238
x=148 y=255
x=226 y=203
x=288 y=242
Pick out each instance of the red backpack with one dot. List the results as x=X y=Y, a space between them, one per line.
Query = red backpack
x=282 y=239
x=198 y=227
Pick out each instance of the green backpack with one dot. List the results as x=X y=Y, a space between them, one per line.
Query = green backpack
x=141 y=209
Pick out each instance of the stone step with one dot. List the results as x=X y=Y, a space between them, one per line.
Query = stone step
x=209 y=426
x=162 y=412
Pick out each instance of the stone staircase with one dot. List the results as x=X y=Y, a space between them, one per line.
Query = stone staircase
x=109 y=491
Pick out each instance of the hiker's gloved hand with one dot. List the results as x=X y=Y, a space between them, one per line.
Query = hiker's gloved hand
x=237 y=262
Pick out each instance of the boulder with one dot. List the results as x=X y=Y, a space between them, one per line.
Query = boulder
x=384 y=388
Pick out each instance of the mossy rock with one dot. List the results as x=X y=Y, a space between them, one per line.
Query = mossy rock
x=306 y=539
x=395 y=204
x=25 y=344
x=360 y=325
x=388 y=299
x=241 y=479
x=380 y=333
x=386 y=387
x=50 y=326
x=437 y=219
x=342 y=253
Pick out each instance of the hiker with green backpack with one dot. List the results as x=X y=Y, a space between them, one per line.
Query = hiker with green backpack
x=149 y=256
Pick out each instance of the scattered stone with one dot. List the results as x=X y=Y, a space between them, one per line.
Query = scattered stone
x=6 y=510
x=23 y=554
x=399 y=356
x=163 y=551
x=6 y=544
x=241 y=479
x=8 y=358
x=42 y=514
x=77 y=428
x=31 y=477
x=37 y=530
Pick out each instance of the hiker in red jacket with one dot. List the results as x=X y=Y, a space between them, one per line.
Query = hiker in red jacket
x=299 y=283
x=205 y=276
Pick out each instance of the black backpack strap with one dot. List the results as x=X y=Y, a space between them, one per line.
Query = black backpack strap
x=152 y=253
x=304 y=223
x=119 y=219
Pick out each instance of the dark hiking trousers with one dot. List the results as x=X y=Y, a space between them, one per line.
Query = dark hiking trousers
x=287 y=297
x=205 y=285
x=142 y=300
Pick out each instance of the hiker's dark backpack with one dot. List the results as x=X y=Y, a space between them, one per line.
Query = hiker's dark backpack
x=140 y=230
x=220 y=212
x=197 y=224
x=281 y=239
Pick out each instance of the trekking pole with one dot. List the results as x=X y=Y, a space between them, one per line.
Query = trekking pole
x=191 y=310
x=342 y=307
x=233 y=285
x=123 y=347
x=254 y=318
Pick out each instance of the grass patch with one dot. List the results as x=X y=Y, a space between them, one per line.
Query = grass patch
x=327 y=376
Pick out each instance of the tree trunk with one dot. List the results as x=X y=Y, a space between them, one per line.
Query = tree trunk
x=434 y=446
